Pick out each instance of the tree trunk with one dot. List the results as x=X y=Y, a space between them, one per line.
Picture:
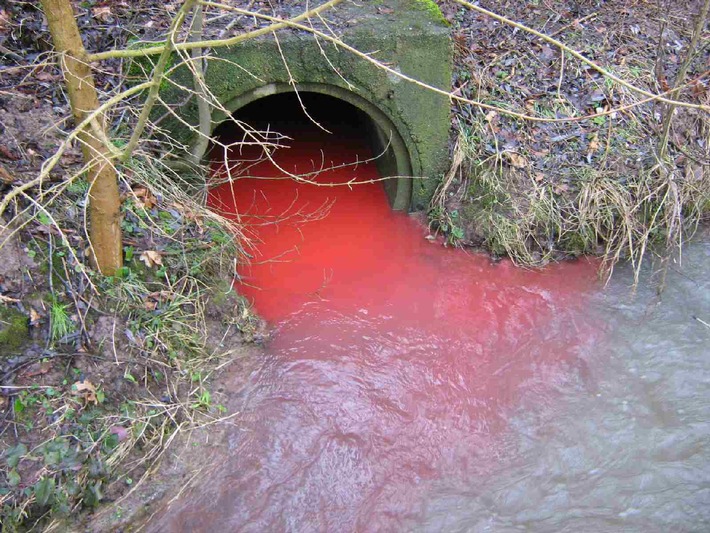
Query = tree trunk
x=104 y=201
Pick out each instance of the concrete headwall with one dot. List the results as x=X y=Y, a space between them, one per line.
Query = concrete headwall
x=410 y=36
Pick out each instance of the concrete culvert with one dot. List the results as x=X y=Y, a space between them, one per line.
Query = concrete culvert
x=408 y=36
x=287 y=111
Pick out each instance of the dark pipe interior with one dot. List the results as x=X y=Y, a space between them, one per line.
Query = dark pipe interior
x=284 y=113
x=281 y=112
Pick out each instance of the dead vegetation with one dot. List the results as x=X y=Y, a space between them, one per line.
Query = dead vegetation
x=611 y=184
x=101 y=374
x=113 y=367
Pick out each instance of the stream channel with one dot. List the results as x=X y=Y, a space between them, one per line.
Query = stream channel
x=409 y=386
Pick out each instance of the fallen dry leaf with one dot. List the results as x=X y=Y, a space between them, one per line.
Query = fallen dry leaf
x=151 y=258
x=35 y=317
x=38 y=370
x=561 y=188
x=144 y=198
x=155 y=298
x=86 y=389
x=46 y=76
x=4 y=19
x=120 y=432
x=162 y=296
x=102 y=13
x=517 y=160
x=5 y=176
x=8 y=154
x=594 y=145
x=698 y=89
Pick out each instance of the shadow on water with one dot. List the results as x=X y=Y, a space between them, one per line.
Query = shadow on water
x=409 y=386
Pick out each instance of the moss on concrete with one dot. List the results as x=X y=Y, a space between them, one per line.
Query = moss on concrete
x=14 y=330
x=432 y=9
x=141 y=68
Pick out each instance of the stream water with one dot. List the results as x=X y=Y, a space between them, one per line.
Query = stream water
x=414 y=387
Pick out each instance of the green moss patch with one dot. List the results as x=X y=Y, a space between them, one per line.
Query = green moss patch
x=14 y=330
x=430 y=7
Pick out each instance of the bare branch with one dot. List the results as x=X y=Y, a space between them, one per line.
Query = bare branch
x=158 y=49
x=158 y=73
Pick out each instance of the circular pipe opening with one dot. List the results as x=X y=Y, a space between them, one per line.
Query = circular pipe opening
x=276 y=103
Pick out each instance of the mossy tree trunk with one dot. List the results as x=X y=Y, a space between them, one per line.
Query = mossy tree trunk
x=104 y=201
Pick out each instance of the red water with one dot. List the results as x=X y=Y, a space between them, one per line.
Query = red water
x=396 y=364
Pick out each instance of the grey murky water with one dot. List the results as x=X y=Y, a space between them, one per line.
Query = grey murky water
x=617 y=438
x=626 y=447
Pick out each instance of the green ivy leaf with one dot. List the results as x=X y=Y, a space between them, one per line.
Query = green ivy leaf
x=13 y=478
x=44 y=219
x=44 y=490
x=52 y=458
x=14 y=454
x=19 y=405
x=93 y=494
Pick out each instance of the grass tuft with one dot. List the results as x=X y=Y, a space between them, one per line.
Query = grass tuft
x=518 y=213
